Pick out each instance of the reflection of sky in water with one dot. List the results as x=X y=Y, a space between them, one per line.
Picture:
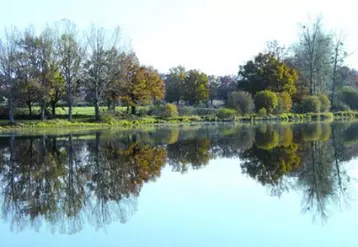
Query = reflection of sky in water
x=212 y=206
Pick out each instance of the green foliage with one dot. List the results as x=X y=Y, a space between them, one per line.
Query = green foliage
x=241 y=101
x=284 y=102
x=349 y=96
x=325 y=103
x=170 y=110
x=266 y=99
x=265 y=72
x=225 y=113
x=196 y=87
x=190 y=110
x=262 y=112
x=174 y=83
x=311 y=104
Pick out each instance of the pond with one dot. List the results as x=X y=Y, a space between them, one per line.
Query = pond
x=204 y=185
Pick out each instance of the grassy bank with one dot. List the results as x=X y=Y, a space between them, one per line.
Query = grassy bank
x=109 y=121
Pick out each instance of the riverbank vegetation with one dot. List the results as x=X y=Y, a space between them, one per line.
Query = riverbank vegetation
x=91 y=78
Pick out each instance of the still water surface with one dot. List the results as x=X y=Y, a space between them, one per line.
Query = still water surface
x=208 y=185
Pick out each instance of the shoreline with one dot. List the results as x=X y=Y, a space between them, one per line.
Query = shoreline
x=89 y=124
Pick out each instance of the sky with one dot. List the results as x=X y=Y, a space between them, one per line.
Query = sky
x=214 y=36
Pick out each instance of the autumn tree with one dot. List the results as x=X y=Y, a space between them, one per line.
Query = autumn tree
x=145 y=85
x=196 y=87
x=265 y=72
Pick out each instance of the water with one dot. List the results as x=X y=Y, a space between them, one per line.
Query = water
x=207 y=185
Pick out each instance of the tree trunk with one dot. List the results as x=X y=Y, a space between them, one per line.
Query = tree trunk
x=43 y=109
x=96 y=109
x=69 y=112
x=30 y=108
x=134 y=110
x=11 y=113
x=127 y=109
x=53 y=106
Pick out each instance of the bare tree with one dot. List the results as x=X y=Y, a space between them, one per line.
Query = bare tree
x=70 y=55
x=313 y=55
x=102 y=62
x=338 y=56
x=9 y=47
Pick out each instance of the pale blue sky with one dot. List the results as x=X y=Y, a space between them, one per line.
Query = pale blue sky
x=215 y=36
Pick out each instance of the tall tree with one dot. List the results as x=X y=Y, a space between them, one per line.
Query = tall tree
x=313 y=56
x=71 y=55
x=100 y=65
x=8 y=49
x=196 y=87
x=265 y=72
x=338 y=56
x=146 y=85
x=173 y=84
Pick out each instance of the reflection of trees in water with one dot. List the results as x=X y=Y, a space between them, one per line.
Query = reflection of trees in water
x=64 y=181
x=71 y=180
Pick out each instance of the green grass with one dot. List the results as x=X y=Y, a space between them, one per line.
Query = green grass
x=83 y=117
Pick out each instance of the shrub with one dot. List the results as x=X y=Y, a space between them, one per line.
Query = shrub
x=262 y=112
x=349 y=96
x=325 y=103
x=170 y=110
x=225 y=113
x=241 y=101
x=311 y=104
x=266 y=99
x=284 y=103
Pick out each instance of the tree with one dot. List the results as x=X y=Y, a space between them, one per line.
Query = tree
x=278 y=51
x=146 y=85
x=338 y=56
x=284 y=102
x=28 y=86
x=47 y=60
x=124 y=69
x=8 y=49
x=325 y=103
x=71 y=55
x=241 y=101
x=214 y=84
x=174 y=82
x=265 y=72
x=266 y=99
x=196 y=87
x=313 y=56
x=311 y=104
x=228 y=83
x=99 y=67
x=56 y=88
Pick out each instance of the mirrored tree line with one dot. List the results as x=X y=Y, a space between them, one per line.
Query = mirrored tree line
x=71 y=180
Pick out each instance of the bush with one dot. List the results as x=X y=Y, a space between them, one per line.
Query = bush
x=266 y=99
x=241 y=101
x=311 y=104
x=349 y=96
x=262 y=112
x=225 y=113
x=284 y=103
x=170 y=110
x=325 y=103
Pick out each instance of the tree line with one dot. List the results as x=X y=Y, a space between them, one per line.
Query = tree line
x=61 y=63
